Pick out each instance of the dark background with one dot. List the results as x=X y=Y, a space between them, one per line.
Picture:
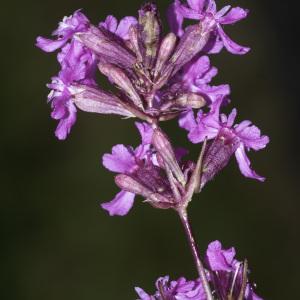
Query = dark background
x=56 y=243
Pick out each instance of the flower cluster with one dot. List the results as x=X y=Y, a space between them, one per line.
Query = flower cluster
x=156 y=78
x=228 y=275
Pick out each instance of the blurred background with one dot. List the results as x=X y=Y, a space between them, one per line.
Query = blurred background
x=56 y=242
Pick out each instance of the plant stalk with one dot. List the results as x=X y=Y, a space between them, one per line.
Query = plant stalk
x=193 y=246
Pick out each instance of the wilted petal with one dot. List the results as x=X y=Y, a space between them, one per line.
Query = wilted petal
x=121 y=160
x=120 y=205
x=245 y=165
x=234 y=15
x=230 y=45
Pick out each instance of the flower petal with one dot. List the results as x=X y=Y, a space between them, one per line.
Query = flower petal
x=230 y=45
x=196 y=4
x=120 y=205
x=124 y=25
x=175 y=18
x=110 y=23
x=234 y=15
x=187 y=120
x=65 y=124
x=121 y=160
x=146 y=132
x=218 y=258
x=251 y=136
x=244 y=164
x=49 y=45
x=143 y=295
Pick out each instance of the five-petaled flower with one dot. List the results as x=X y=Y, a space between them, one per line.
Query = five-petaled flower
x=206 y=12
x=228 y=139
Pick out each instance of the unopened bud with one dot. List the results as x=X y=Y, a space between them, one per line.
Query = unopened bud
x=129 y=184
x=218 y=155
x=118 y=77
x=95 y=100
x=103 y=44
x=191 y=43
x=192 y=100
x=134 y=42
x=163 y=146
x=150 y=29
x=165 y=51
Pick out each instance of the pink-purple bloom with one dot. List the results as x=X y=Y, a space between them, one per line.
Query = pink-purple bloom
x=78 y=65
x=160 y=77
x=238 y=138
x=228 y=274
x=152 y=170
x=77 y=22
x=206 y=12
x=225 y=275
x=180 y=289
x=129 y=161
x=196 y=76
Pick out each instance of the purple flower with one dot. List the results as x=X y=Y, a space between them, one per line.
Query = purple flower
x=121 y=29
x=196 y=76
x=78 y=66
x=126 y=160
x=228 y=139
x=151 y=170
x=206 y=12
x=77 y=22
x=180 y=289
x=228 y=274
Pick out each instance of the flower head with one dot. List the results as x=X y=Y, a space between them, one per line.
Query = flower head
x=227 y=276
x=180 y=289
x=150 y=170
x=227 y=139
x=136 y=58
x=206 y=12
x=77 y=66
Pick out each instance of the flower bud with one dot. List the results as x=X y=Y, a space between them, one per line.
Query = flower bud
x=105 y=45
x=129 y=184
x=165 y=51
x=165 y=149
x=218 y=155
x=95 y=100
x=191 y=43
x=192 y=100
x=134 y=42
x=118 y=77
x=150 y=29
